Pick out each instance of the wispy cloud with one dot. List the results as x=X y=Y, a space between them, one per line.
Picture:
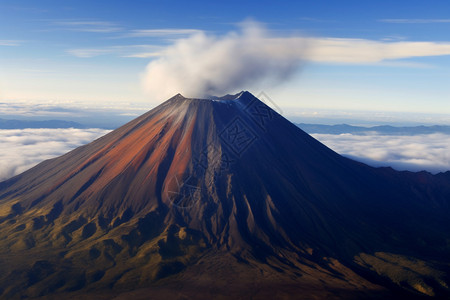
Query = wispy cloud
x=10 y=43
x=339 y=50
x=165 y=32
x=89 y=26
x=315 y=20
x=406 y=64
x=316 y=49
x=138 y=51
x=414 y=21
x=89 y=52
x=32 y=146
x=144 y=54
x=428 y=152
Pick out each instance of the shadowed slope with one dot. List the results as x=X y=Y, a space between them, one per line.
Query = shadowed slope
x=224 y=189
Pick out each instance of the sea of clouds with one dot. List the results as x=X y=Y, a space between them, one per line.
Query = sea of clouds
x=21 y=149
x=430 y=152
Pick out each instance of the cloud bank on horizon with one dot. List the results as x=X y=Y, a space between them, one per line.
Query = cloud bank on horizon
x=22 y=149
x=207 y=64
x=429 y=152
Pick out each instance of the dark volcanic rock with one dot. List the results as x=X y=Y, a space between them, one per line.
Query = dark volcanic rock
x=221 y=198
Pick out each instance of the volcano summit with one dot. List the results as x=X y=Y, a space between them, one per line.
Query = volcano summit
x=221 y=198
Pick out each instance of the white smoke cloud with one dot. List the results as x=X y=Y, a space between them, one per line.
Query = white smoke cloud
x=205 y=64
x=21 y=149
x=252 y=58
x=430 y=152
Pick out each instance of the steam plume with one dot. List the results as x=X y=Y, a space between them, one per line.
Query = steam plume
x=205 y=64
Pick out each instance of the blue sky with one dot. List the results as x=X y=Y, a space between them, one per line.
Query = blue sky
x=96 y=52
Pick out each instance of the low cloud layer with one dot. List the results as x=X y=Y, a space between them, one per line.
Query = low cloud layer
x=430 y=152
x=21 y=149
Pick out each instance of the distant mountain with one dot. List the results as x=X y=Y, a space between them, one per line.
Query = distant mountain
x=22 y=124
x=221 y=199
x=385 y=129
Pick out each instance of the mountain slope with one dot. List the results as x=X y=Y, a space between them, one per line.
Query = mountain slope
x=214 y=197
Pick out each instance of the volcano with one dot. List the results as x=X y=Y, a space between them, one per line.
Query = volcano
x=221 y=198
